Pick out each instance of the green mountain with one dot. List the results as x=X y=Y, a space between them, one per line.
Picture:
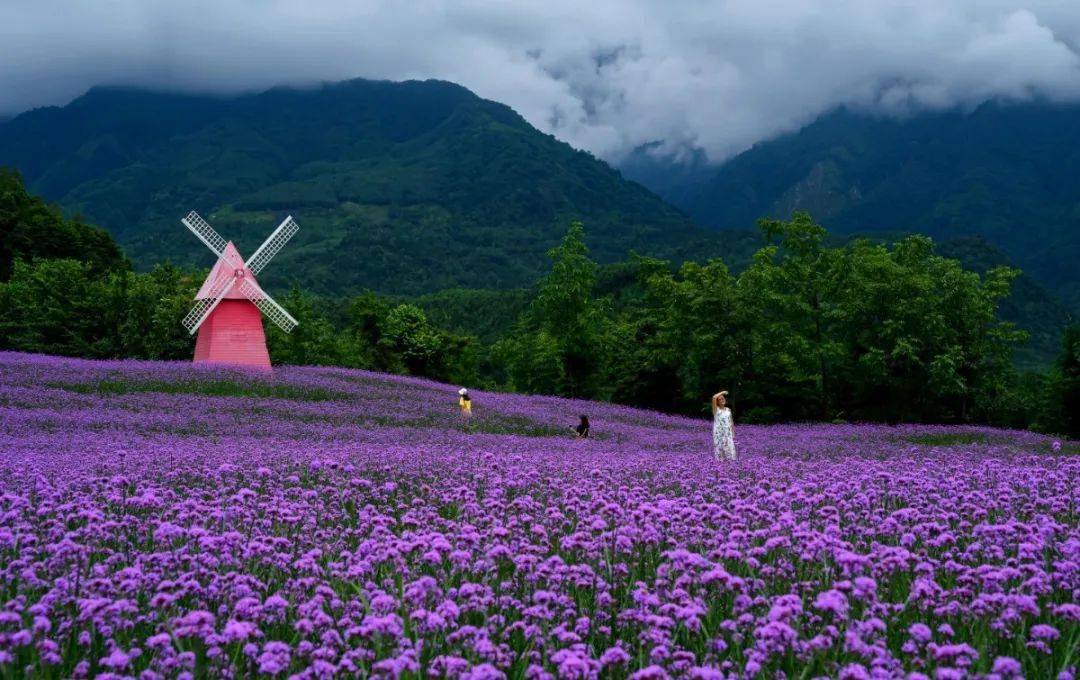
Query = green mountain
x=416 y=187
x=1007 y=174
x=405 y=187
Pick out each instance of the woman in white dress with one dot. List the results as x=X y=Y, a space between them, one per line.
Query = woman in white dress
x=723 y=428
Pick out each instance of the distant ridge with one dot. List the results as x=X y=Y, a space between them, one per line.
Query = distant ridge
x=406 y=187
x=1008 y=174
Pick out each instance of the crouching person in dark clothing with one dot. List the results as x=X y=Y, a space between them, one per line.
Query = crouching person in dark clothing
x=582 y=429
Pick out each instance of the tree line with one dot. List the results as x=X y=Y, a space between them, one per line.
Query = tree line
x=806 y=332
x=62 y=306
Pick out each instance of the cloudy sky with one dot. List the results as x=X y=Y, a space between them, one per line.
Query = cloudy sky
x=603 y=75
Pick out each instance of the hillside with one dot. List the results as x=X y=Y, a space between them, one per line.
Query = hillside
x=1008 y=174
x=401 y=187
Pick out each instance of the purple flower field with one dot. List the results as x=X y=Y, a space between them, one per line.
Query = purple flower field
x=164 y=520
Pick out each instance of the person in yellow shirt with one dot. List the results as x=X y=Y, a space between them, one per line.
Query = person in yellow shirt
x=465 y=403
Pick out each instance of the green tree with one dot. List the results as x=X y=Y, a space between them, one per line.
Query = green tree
x=534 y=362
x=713 y=334
x=364 y=317
x=566 y=319
x=789 y=292
x=1069 y=367
x=637 y=366
x=407 y=335
x=1061 y=411
x=313 y=342
x=156 y=304
x=865 y=331
x=60 y=307
x=680 y=341
x=920 y=334
x=30 y=228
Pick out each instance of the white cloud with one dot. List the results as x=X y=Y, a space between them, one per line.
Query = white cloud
x=606 y=76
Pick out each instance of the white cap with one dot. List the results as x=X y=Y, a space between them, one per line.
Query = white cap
x=463 y=391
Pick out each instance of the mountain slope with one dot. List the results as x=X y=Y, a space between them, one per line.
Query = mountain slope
x=401 y=187
x=1009 y=174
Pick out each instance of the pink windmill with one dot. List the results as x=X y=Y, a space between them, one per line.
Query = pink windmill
x=226 y=311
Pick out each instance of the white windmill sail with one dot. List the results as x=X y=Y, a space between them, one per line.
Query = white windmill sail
x=201 y=311
x=273 y=243
x=267 y=306
x=205 y=232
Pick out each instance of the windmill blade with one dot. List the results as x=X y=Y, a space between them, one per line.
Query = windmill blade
x=275 y=312
x=201 y=311
x=204 y=232
x=273 y=243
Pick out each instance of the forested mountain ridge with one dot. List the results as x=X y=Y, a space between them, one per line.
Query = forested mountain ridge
x=1007 y=173
x=404 y=187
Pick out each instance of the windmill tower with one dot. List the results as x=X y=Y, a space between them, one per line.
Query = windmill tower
x=227 y=308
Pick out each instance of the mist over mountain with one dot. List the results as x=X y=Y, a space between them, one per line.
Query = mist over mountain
x=606 y=76
x=1006 y=174
x=403 y=187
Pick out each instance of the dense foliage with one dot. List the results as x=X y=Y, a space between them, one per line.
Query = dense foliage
x=806 y=332
x=398 y=187
x=159 y=520
x=1029 y=304
x=63 y=307
x=31 y=228
x=373 y=333
x=1060 y=410
x=1005 y=172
